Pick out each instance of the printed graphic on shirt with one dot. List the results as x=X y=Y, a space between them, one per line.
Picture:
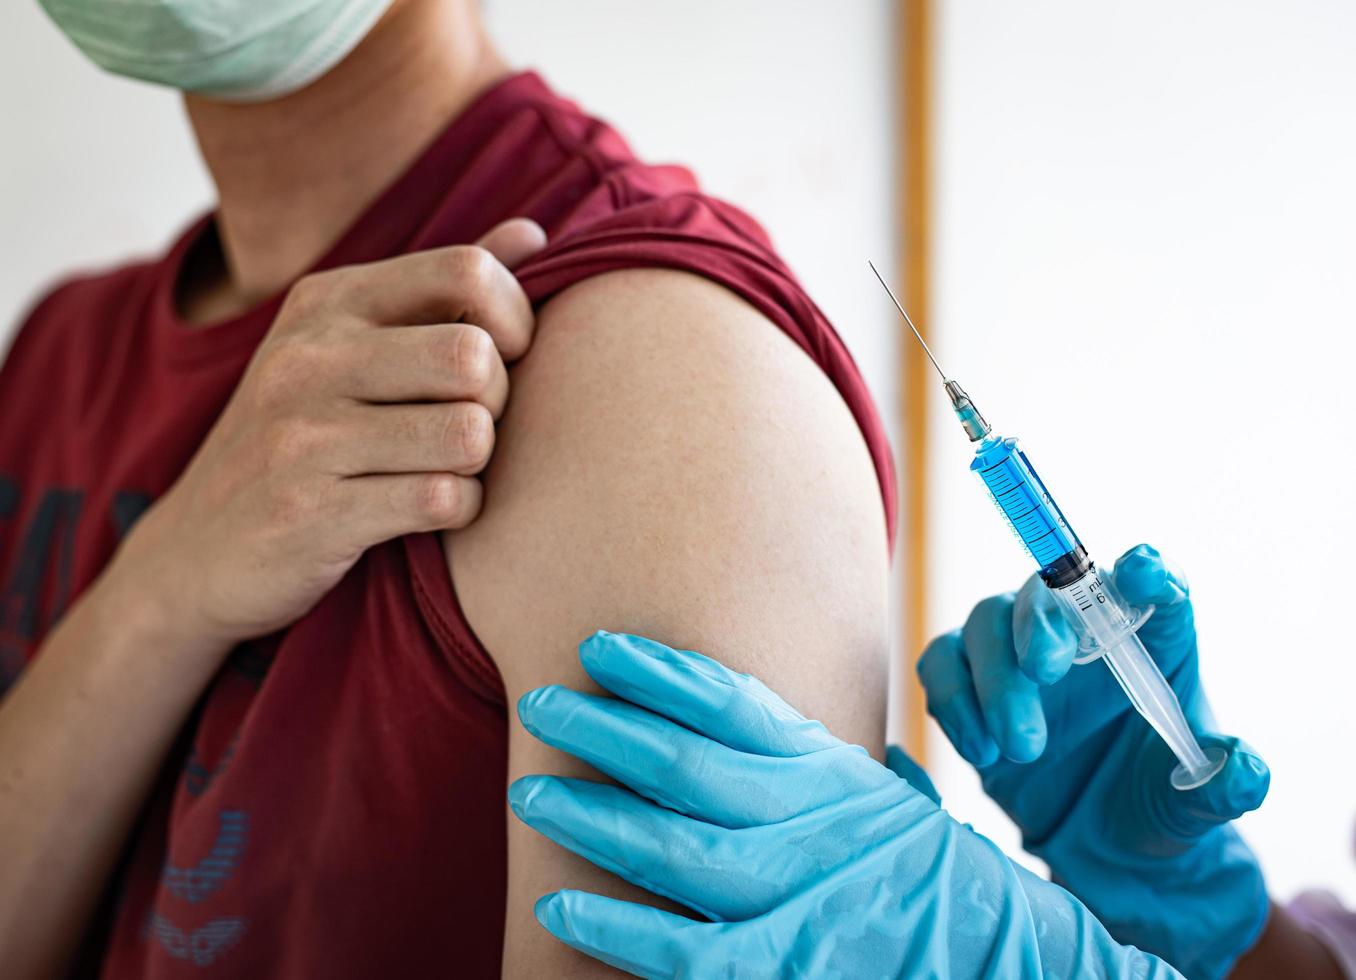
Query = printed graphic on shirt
x=197 y=775
x=201 y=946
x=41 y=566
x=199 y=882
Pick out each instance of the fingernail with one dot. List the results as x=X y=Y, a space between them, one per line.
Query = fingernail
x=980 y=751
x=1022 y=726
x=1025 y=742
x=531 y=703
x=520 y=792
x=1026 y=745
x=1252 y=789
x=550 y=913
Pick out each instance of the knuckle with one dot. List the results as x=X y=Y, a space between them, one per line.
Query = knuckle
x=473 y=358
x=470 y=432
x=474 y=266
x=992 y=614
x=309 y=293
x=438 y=498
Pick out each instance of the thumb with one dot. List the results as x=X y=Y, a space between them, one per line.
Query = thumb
x=513 y=240
x=903 y=766
x=1233 y=791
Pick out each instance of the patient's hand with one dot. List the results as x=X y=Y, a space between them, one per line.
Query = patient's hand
x=365 y=414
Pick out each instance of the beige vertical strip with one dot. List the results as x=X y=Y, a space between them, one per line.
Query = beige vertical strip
x=913 y=219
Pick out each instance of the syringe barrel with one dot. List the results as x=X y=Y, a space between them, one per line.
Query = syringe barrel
x=1027 y=506
x=1105 y=624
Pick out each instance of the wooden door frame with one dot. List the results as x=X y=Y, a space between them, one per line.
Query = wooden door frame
x=913 y=215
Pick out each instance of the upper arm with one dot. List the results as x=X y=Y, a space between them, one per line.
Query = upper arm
x=671 y=464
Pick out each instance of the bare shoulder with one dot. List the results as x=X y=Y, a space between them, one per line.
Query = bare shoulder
x=671 y=463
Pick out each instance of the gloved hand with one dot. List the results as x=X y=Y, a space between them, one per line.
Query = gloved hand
x=1086 y=778
x=810 y=858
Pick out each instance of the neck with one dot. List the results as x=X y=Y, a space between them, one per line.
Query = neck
x=293 y=174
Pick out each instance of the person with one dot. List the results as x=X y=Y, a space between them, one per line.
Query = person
x=807 y=857
x=265 y=602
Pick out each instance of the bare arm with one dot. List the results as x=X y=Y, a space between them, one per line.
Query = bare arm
x=671 y=464
x=82 y=736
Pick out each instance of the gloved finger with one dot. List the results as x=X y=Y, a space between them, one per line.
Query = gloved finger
x=661 y=851
x=945 y=675
x=688 y=772
x=701 y=694
x=1236 y=789
x=1144 y=577
x=1009 y=700
x=902 y=765
x=641 y=940
x=1045 y=641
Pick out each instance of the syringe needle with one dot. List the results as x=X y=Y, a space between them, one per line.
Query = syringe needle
x=905 y=315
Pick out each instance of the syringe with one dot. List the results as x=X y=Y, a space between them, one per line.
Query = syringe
x=1106 y=626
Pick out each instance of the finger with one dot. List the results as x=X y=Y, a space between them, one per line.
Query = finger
x=701 y=694
x=1009 y=700
x=951 y=699
x=902 y=765
x=1236 y=789
x=661 y=851
x=687 y=772
x=377 y=508
x=439 y=438
x=438 y=362
x=1045 y=642
x=641 y=940
x=455 y=284
x=513 y=241
x=1145 y=578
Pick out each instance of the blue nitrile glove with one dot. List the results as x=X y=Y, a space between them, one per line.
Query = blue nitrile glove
x=810 y=858
x=1086 y=778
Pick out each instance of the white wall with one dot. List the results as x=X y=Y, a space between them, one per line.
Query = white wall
x=1145 y=269
x=93 y=168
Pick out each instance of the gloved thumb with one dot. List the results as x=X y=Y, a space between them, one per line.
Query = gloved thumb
x=1233 y=791
x=903 y=766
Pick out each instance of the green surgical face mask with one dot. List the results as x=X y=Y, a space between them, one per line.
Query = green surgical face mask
x=242 y=50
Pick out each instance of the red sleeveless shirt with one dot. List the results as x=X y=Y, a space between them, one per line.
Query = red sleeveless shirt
x=335 y=805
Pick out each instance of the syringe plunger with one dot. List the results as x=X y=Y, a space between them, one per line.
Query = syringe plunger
x=1107 y=627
